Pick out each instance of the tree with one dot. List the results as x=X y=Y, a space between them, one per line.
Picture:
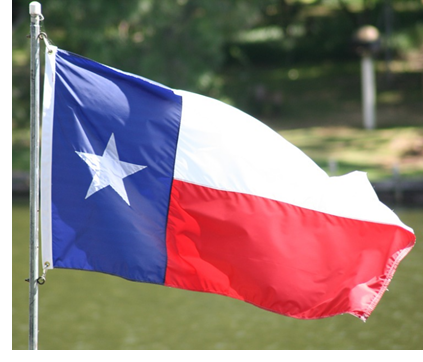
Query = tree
x=179 y=43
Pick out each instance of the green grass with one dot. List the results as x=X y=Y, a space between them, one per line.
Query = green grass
x=376 y=152
x=85 y=310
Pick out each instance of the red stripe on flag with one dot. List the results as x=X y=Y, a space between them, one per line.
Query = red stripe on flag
x=287 y=259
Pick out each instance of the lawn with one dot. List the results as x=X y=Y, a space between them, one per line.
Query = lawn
x=340 y=150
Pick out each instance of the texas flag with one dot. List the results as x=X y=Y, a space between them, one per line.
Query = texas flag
x=168 y=187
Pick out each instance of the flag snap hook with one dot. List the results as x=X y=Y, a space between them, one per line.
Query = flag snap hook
x=44 y=36
x=42 y=279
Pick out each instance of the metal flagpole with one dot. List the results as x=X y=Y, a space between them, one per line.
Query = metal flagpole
x=36 y=17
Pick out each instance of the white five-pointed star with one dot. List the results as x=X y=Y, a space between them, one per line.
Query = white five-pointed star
x=108 y=170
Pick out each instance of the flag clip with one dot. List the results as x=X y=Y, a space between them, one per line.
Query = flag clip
x=42 y=279
x=43 y=36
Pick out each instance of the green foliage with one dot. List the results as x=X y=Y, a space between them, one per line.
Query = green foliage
x=215 y=47
x=184 y=43
x=178 y=43
x=174 y=42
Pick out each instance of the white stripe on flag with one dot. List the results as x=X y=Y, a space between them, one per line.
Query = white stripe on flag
x=267 y=165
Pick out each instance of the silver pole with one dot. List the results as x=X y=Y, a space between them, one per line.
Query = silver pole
x=368 y=92
x=36 y=16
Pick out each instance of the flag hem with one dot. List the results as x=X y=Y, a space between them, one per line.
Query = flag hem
x=46 y=156
x=399 y=256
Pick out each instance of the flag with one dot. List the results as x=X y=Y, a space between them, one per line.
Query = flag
x=169 y=187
